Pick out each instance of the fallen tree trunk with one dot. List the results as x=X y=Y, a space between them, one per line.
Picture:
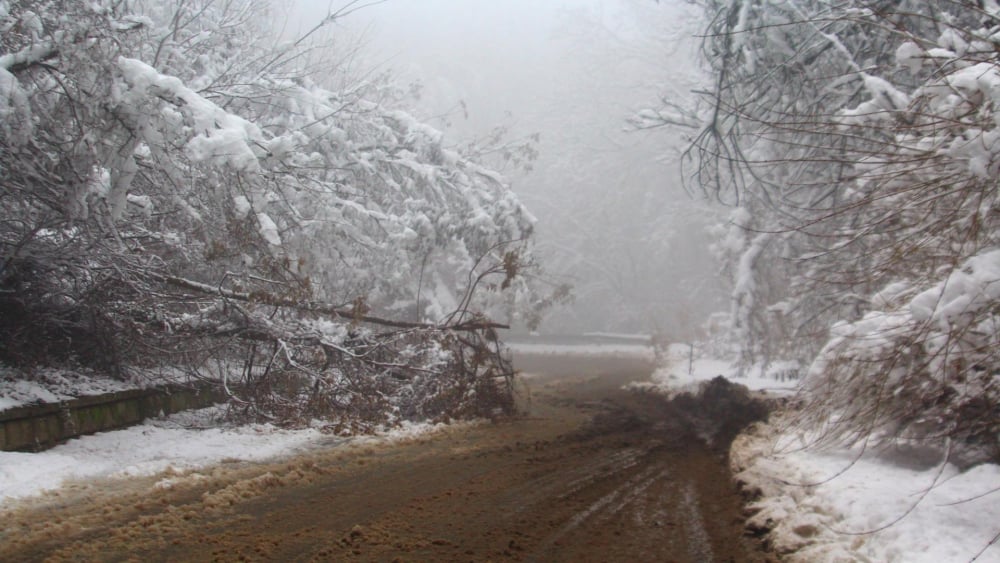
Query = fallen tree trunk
x=322 y=308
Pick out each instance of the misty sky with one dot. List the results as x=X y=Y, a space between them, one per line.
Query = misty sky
x=609 y=202
x=504 y=59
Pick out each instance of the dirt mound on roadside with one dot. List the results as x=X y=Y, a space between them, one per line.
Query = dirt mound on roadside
x=719 y=411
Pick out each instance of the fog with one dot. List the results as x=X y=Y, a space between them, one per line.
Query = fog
x=613 y=218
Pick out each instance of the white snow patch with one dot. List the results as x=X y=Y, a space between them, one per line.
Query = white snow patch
x=268 y=229
x=242 y=206
x=910 y=56
x=841 y=506
x=180 y=442
x=53 y=386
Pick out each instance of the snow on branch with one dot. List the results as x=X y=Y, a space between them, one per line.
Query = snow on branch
x=218 y=135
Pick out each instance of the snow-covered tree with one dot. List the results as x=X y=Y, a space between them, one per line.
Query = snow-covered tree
x=173 y=176
x=857 y=142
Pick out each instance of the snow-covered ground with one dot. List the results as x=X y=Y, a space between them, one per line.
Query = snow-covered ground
x=48 y=385
x=182 y=442
x=839 y=505
x=52 y=386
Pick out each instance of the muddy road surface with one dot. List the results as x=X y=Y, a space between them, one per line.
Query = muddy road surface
x=589 y=473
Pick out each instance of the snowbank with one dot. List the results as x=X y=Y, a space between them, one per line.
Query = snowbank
x=181 y=442
x=848 y=505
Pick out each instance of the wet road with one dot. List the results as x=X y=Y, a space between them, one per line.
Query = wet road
x=590 y=473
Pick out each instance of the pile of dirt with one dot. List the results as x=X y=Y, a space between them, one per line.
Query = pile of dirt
x=719 y=411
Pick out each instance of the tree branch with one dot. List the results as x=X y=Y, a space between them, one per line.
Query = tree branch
x=321 y=308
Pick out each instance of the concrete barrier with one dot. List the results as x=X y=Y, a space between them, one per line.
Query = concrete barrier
x=41 y=426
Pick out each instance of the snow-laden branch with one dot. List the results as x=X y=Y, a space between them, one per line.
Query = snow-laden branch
x=29 y=56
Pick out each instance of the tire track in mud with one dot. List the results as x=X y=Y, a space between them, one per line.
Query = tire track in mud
x=591 y=473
